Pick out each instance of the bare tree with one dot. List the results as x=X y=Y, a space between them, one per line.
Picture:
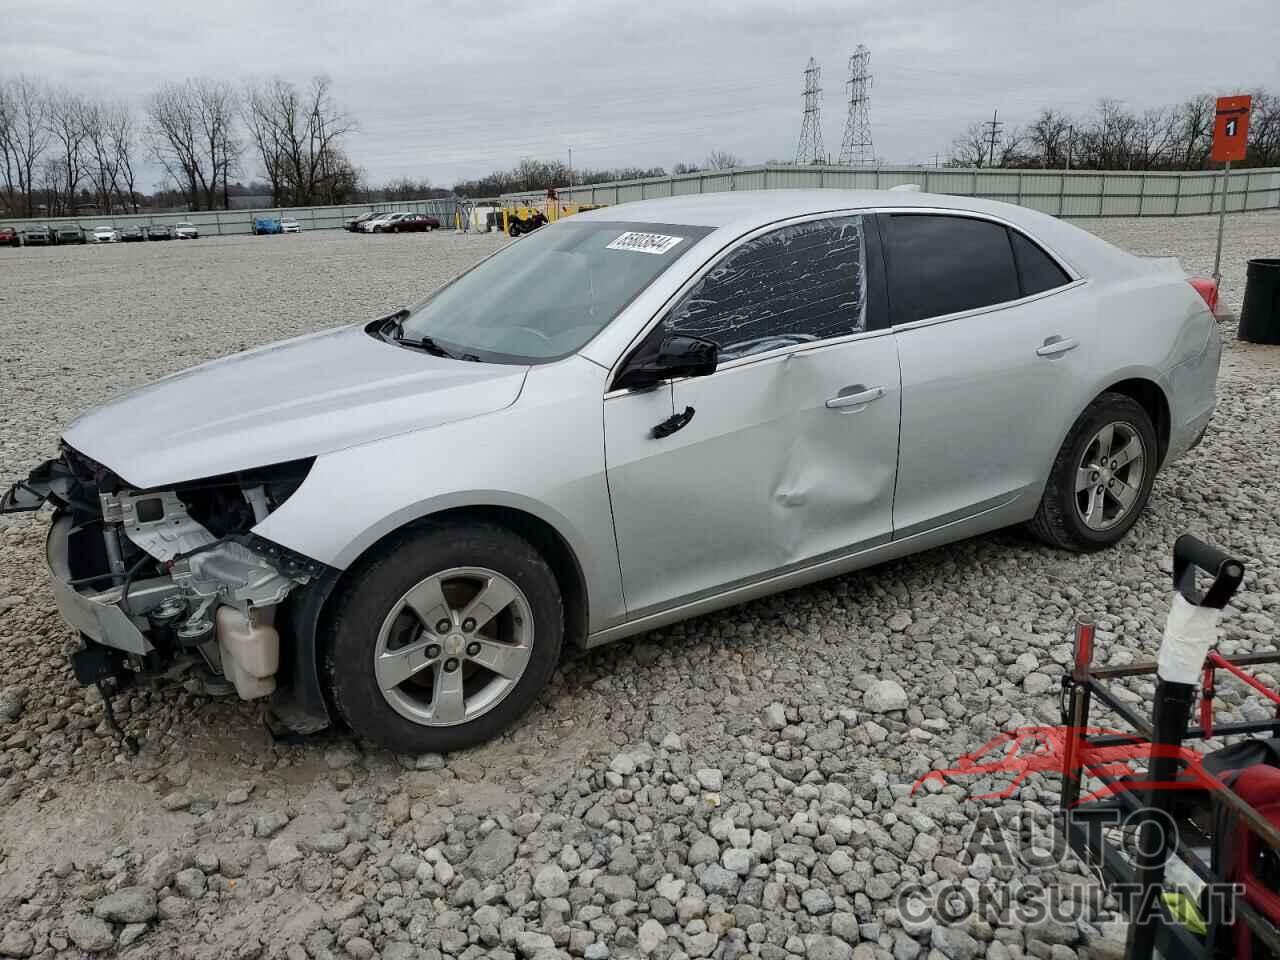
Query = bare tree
x=297 y=136
x=24 y=137
x=1009 y=147
x=1154 y=134
x=721 y=160
x=69 y=123
x=268 y=110
x=1264 y=130
x=173 y=135
x=1195 y=131
x=109 y=154
x=970 y=148
x=124 y=137
x=1047 y=137
x=193 y=136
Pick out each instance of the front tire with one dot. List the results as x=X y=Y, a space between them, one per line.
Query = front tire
x=1102 y=477
x=445 y=639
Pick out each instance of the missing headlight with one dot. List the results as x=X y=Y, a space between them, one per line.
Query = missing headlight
x=236 y=502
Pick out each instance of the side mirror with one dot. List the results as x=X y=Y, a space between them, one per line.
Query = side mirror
x=677 y=356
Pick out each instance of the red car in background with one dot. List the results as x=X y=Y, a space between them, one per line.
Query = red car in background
x=9 y=236
x=412 y=223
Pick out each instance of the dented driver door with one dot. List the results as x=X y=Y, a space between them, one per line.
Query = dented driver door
x=791 y=452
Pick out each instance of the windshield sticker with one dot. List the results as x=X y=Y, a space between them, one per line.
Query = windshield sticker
x=644 y=242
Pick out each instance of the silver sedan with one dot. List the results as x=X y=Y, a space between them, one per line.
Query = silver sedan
x=632 y=416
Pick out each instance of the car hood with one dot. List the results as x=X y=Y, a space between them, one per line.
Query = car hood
x=298 y=398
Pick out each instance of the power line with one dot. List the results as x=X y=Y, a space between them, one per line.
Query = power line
x=856 y=148
x=809 y=149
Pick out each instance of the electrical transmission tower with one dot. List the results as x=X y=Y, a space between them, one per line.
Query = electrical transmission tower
x=856 y=148
x=809 y=150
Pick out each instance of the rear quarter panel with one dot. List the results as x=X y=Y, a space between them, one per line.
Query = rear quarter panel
x=1152 y=325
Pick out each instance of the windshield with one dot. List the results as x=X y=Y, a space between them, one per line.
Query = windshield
x=545 y=295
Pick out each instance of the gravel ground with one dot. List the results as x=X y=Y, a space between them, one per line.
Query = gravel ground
x=735 y=785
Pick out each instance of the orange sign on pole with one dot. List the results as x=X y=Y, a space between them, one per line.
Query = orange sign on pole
x=1231 y=129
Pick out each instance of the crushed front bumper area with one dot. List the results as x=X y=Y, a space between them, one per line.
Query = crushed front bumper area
x=97 y=615
x=158 y=583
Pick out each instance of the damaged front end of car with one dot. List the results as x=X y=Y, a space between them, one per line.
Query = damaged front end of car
x=174 y=584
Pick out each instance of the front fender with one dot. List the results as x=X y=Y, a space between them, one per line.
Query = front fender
x=544 y=456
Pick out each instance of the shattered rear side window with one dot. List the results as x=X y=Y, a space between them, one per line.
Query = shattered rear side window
x=794 y=285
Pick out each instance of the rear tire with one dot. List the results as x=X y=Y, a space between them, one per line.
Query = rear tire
x=1101 y=479
x=378 y=635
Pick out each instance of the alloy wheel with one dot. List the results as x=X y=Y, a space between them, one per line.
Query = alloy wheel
x=1109 y=476
x=454 y=646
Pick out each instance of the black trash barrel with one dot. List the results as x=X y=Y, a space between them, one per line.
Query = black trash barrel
x=1260 y=315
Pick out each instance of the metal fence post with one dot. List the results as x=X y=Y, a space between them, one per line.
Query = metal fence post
x=1177 y=196
x=1019 y=188
x=1142 y=191
x=1062 y=192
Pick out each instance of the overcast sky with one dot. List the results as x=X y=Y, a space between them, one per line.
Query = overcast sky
x=446 y=89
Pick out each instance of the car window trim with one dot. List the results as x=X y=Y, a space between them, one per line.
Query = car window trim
x=990 y=308
x=1076 y=279
x=703 y=269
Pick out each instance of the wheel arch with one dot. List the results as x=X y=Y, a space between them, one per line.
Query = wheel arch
x=550 y=543
x=304 y=706
x=1149 y=395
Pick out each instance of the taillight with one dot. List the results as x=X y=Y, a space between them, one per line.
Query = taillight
x=1208 y=290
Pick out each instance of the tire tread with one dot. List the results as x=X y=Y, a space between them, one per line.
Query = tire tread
x=478 y=536
x=1050 y=523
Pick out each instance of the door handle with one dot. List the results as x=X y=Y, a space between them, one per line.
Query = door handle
x=863 y=396
x=1056 y=345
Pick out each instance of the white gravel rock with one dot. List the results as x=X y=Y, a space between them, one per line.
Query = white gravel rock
x=885 y=696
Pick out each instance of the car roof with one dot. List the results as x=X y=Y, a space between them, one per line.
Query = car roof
x=740 y=211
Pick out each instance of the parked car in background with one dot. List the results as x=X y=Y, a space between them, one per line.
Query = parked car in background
x=414 y=223
x=68 y=233
x=159 y=231
x=355 y=223
x=105 y=235
x=132 y=234
x=378 y=223
x=10 y=237
x=35 y=234
x=185 y=231
x=290 y=225
x=266 y=225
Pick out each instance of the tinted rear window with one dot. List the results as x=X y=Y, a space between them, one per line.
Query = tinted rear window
x=942 y=264
x=1037 y=269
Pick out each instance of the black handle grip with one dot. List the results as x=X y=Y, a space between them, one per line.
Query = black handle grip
x=1190 y=554
x=673 y=423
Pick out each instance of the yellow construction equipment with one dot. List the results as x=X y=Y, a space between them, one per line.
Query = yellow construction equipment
x=525 y=216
